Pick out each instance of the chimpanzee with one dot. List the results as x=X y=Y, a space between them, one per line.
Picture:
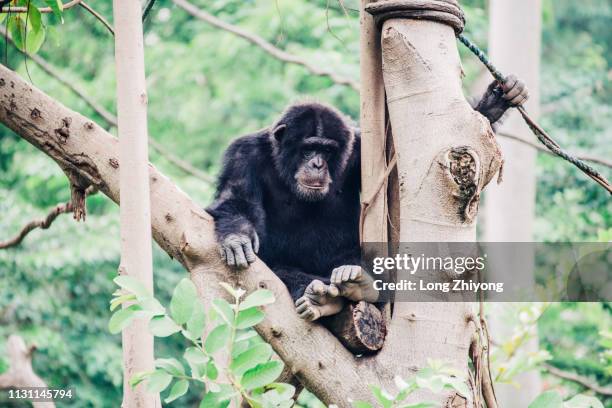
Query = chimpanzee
x=290 y=193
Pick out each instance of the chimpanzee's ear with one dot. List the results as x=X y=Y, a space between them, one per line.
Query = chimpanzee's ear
x=279 y=131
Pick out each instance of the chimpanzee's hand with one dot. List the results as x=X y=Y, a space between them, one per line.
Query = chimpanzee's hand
x=239 y=249
x=500 y=97
x=352 y=282
x=515 y=91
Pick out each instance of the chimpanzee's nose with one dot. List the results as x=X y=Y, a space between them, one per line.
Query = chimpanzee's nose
x=317 y=163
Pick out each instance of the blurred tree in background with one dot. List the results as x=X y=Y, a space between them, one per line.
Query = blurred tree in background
x=206 y=87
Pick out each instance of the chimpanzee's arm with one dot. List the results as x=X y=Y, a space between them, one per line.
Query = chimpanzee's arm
x=499 y=98
x=237 y=209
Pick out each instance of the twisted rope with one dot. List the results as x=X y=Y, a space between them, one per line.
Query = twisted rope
x=537 y=130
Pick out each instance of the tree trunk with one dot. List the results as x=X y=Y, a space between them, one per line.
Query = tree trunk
x=135 y=210
x=435 y=131
x=20 y=373
x=373 y=138
x=514 y=44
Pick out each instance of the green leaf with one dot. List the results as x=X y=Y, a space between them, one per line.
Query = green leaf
x=35 y=36
x=163 y=326
x=382 y=396
x=197 y=361
x=133 y=285
x=362 y=404
x=139 y=377
x=258 y=298
x=236 y=294
x=549 y=399
x=183 y=301
x=57 y=7
x=153 y=306
x=119 y=300
x=249 y=318
x=224 y=309
x=219 y=399
x=34 y=17
x=260 y=353
x=281 y=391
x=197 y=321
x=171 y=366
x=195 y=355
x=246 y=335
x=158 y=381
x=261 y=375
x=121 y=318
x=17 y=30
x=458 y=385
x=178 y=390
x=583 y=401
x=217 y=338
x=211 y=370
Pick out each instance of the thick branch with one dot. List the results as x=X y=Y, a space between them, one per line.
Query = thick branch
x=186 y=233
x=585 y=382
x=265 y=45
x=20 y=373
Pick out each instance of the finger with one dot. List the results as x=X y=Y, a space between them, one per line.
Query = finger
x=334 y=276
x=509 y=83
x=520 y=99
x=313 y=314
x=514 y=92
x=333 y=290
x=306 y=313
x=346 y=273
x=355 y=273
x=229 y=255
x=319 y=288
x=255 y=242
x=300 y=301
x=241 y=261
x=301 y=308
x=247 y=247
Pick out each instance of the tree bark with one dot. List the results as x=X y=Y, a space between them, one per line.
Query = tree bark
x=373 y=226
x=186 y=232
x=135 y=210
x=509 y=211
x=434 y=130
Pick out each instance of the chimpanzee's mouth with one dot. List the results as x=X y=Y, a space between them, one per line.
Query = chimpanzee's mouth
x=314 y=186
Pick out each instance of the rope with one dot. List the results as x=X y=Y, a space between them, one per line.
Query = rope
x=540 y=133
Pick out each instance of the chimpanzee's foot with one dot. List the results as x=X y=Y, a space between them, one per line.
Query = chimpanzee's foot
x=353 y=283
x=317 y=302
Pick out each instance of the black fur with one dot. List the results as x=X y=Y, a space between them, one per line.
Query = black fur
x=300 y=239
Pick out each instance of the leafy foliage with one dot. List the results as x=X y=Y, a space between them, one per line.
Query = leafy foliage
x=436 y=378
x=250 y=372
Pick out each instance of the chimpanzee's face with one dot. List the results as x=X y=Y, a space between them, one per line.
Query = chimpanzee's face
x=312 y=145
